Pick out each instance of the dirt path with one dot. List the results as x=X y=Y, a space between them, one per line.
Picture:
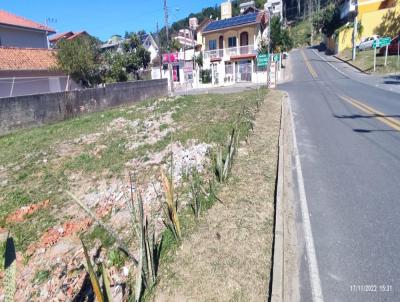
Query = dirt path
x=228 y=257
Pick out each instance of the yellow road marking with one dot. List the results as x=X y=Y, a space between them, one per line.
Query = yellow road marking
x=389 y=121
x=310 y=68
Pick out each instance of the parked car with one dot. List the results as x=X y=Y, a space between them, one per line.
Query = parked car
x=392 y=48
x=367 y=42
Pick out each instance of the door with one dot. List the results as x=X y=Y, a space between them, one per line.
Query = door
x=244 y=42
x=244 y=71
x=221 y=46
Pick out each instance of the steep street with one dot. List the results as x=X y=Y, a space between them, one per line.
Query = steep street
x=349 y=142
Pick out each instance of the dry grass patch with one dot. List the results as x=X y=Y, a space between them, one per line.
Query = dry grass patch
x=227 y=257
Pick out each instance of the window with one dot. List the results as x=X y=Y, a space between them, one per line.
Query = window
x=212 y=44
x=232 y=42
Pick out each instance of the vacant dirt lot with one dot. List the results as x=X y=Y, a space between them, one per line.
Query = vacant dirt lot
x=92 y=156
x=228 y=256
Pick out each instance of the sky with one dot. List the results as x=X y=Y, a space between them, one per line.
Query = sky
x=104 y=18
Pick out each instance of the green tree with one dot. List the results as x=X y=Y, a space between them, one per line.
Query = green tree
x=174 y=45
x=280 y=37
x=328 y=20
x=137 y=57
x=79 y=58
x=199 y=60
x=115 y=67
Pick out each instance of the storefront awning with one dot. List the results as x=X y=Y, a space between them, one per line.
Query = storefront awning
x=244 y=56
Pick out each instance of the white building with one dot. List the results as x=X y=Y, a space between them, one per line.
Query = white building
x=275 y=7
x=150 y=45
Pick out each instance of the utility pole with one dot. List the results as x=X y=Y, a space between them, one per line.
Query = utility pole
x=269 y=48
x=310 y=9
x=398 y=50
x=159 y=49
x=168 y=47
x=355 y=30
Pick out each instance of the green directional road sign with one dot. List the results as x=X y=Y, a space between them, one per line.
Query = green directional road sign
x=276 y=57
x=262 y=60
x=382 y=42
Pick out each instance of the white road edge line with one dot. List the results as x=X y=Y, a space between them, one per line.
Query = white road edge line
x=309 y=239
x=330 y=64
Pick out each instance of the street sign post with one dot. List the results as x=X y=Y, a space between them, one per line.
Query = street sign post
x=382 y=42
x=262 y=60
x=398 y=50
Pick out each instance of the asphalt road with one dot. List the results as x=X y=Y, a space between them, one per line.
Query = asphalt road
x=349 y=145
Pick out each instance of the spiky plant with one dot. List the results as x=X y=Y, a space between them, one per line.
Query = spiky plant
x=121 y=244
x=195 y=187
x=150 y=249
x=10 y=267
x=223 y=166
x=100 y=294
x=172 y=219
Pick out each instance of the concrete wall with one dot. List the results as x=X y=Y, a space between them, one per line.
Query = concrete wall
x=15 y=37
x=34 y=110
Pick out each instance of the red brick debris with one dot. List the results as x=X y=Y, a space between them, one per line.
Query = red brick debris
x=20 y=214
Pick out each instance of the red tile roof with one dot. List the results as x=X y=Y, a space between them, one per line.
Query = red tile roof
x=75 y=35
x=13 y=20
x=57 y=37
x=12 y=58
x=69 y=35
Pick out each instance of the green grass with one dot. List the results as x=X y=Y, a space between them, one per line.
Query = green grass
x=41 y=276
x=36 y=172
x=100 y=234
x=300 y=33
x=365 y=61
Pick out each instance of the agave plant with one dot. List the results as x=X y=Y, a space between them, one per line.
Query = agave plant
x=196 y=188
x=223 y=166
x=172 y=219
x=150 y=249
x=10 y=267
x=101 y=293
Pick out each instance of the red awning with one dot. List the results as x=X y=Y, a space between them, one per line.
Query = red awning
x=245 y=56
x=215 y=59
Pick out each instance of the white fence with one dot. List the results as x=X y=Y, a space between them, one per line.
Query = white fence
x=18 y=86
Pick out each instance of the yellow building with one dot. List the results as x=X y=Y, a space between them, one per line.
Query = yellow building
x=376 y=17
x=230 y=46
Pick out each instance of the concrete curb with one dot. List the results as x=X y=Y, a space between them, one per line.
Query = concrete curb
x=278 y=258
x=352 y=65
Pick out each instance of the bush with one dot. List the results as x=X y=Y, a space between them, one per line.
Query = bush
x=205 y=76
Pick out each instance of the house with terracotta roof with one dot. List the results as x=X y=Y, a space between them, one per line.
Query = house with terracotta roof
x=69 y=35
x=27 y=65
x=230 y=45
x=16 y=31
x=25 y=71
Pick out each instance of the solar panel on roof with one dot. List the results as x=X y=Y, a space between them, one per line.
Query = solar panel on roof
x=239 y=20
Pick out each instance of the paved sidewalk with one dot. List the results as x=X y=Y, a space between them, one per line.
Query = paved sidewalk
x=237 y=87
x=386 y=82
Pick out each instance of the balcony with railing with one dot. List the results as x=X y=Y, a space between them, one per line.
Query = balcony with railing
x=229 y=52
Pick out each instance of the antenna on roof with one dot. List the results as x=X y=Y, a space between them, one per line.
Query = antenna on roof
x=47 y=21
